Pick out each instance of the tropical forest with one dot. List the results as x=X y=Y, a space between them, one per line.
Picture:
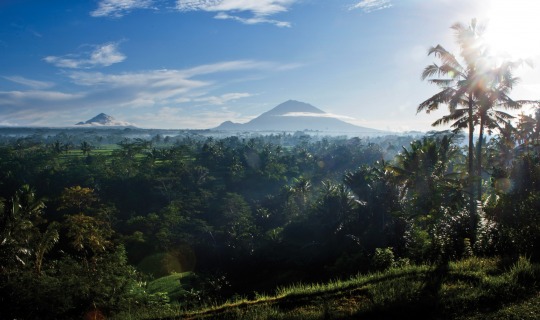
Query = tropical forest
x=445 y=224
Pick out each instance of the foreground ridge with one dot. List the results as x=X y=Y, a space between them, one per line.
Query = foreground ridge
x=474 y=288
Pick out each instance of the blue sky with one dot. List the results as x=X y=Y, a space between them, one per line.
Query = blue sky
x=197 y=63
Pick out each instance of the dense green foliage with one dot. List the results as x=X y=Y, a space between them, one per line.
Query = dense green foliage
x=99 y=223
x=226 y=208
x=97 y=226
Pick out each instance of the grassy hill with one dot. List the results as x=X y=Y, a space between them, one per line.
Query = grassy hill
x=475 y=288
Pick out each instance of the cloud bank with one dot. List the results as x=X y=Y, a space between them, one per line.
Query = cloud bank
x=316 y=115
x=103 y=55
x=194 y=88
x=34 y=84
x=259 y=11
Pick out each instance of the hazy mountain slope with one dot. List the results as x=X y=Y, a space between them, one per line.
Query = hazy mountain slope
x=296 y=116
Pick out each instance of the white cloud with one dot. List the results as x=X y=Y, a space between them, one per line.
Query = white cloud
x=150 y=88
x=16 y=98
x=102 y=56
x=371 y=5
x=34 y=84
x=260 y=9
x=235 y=65
x=222 y=99
x=253 y=20
x=316 y=115
x=118 y=8
x=5 y=123
x=37 y=117
x=148 y=79
x=169 y=117
x=161 y=87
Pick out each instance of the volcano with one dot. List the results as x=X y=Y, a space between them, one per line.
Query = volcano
x=294 y=115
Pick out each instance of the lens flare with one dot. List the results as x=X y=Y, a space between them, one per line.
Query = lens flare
x=512 y=28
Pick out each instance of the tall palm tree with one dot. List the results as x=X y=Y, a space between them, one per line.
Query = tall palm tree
x=500 y=82
x=484 y=114
x=461 y=84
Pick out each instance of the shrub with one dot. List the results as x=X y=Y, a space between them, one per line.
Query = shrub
x=383 y=259
x=523 y=271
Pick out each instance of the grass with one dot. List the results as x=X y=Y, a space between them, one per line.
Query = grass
x=175 y=285
x=473 y=289
x=527 y=309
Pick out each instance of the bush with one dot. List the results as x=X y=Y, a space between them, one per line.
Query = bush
x=70 y=288
x=383 y=259
x=523 y=271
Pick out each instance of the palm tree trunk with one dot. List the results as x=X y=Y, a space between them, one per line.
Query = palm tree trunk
x=479 y=160
x=472 y=198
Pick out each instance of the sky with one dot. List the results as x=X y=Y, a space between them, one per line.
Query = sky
x=193 y=64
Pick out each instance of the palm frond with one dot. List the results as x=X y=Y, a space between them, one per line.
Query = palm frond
x=457 y=114
x=445 y=56
x=442 y=83
x=430 y=71
x=439 y=98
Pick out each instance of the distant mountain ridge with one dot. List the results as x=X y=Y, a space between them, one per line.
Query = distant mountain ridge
x=104 y=120
x=294 y=115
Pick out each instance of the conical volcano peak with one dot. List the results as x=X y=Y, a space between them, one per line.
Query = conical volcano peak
x=292 y=106
x=103 y=119
x=295 y=116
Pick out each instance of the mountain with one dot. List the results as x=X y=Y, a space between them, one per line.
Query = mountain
x=297 y=116
x=104 y=120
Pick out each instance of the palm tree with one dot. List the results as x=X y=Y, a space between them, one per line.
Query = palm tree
x=423 y=174
x=45 y=242
x=497 y=83
x=501 y=82
x=86 y=148
x=57 y=147
x=299 y=190
x=336 y=208
x=471 y=84
x=460 y=86
x=528 y=128
x=504 y=145
x=19 y=218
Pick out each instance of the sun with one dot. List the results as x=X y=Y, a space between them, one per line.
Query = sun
x=513 y=28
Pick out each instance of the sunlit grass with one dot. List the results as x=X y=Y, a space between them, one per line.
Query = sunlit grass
x=459 y=289
x=174 y=285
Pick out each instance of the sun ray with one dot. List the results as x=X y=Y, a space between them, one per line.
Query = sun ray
x=513 y=28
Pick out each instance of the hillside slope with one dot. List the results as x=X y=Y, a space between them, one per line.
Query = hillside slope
x=470 y=289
